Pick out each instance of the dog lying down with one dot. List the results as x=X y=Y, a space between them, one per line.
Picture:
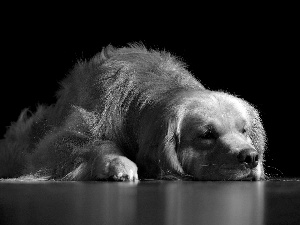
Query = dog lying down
x=130 y=114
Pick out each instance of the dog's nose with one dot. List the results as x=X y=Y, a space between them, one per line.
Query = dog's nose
x=248 y=156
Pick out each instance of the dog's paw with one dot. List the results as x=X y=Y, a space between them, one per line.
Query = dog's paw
x=118 y=168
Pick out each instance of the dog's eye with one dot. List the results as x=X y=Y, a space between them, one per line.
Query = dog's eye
x=207 y=135
x=244 y=131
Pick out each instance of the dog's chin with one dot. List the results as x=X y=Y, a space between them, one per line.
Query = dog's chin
x=227 y=172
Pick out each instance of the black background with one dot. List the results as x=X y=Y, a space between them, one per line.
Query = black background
x=254 y=55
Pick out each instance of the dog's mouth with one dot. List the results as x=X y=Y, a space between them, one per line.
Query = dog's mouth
x=240 y=172
x=227 y=172
x=229 y=169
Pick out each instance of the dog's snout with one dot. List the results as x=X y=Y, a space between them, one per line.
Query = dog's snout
x=248 y=156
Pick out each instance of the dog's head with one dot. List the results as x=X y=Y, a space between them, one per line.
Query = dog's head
x=206 y=135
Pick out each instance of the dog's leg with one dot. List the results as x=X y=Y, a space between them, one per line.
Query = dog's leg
x=106 y=163
x=72 y=156
x=110 y=163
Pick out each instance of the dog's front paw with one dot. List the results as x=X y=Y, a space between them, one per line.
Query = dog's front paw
x=118 y=169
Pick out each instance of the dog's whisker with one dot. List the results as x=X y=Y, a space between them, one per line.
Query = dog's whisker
x=272 y=167
x=211 y=164
x=273 y=175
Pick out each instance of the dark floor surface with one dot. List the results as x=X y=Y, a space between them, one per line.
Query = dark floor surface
x=150 y=202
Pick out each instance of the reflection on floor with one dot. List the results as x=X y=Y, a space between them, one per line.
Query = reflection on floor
x=150 y=202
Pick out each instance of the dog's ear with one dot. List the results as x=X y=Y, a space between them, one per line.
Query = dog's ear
x=158 y=141
x=167 y=150
x=105 y=54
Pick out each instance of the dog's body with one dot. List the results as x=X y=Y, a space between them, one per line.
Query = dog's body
x=129 y=110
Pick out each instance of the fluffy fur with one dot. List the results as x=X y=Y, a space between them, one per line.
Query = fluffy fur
x=131 y=112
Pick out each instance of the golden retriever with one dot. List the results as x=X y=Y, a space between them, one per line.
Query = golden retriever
x=132 y=113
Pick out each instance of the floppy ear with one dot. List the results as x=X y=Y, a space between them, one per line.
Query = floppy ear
x=104 y=55
x=167 y=150
x=157 y=156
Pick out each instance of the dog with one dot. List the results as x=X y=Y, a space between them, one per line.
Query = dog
x=131 y=113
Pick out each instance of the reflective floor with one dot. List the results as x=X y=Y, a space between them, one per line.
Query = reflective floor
x=150 y=202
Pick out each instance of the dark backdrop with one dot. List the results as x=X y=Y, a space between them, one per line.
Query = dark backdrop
x=254 y=59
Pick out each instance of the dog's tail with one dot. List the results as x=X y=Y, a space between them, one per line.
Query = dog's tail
x=17 y=143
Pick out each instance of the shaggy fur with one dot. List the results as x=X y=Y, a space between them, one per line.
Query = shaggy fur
x=131 y=112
